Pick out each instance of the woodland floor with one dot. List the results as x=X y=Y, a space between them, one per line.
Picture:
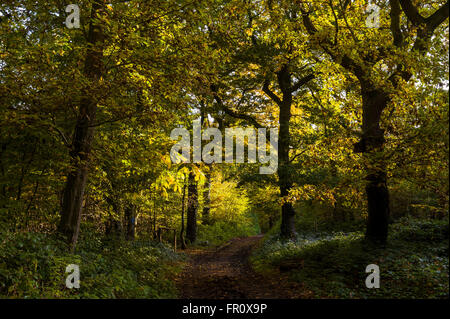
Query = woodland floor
x=225 y=273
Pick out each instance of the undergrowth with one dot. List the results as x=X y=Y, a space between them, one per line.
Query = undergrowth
x=414 y=264
x=32 y=265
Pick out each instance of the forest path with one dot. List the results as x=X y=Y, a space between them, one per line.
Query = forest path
x=225 y=273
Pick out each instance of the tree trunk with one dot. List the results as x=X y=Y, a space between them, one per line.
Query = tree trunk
x=183 y=243
x=284 y=78
x=191 y=226
x=130 y=217
x=270 y=222
x=372 y=147
x=2 y=170
x=81 y=145
x=114 y=227
x=154 y=215
x=207 y=198
x=284 y=175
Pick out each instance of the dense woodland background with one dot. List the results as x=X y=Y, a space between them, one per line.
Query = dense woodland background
x=85 y=121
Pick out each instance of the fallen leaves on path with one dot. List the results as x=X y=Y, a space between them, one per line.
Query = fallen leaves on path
x=225 y=273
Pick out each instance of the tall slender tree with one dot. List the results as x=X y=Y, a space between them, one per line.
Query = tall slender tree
x=72 y=200
x=192 y=207
x=287 y=88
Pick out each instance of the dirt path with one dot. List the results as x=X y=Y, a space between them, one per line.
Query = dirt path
x=225 y=274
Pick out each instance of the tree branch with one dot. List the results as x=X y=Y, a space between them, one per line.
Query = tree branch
x=232 y=113
x=438 y=17
x=412 y=13
x=302 y=82
x=297 y=155
x=432 y=22
x=336 y=22
x=395 y=22
x=344 y=60
x=426 y=28
x=270 y=94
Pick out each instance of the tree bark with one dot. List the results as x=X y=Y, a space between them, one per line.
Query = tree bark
x=2 y=170
x=183 y=243
x=73 y=193
x=192 y=206
x=284 y=78
x=114 y=227
x=284 y=176
x=207 y=198
x=130 y=217
x=372 y=147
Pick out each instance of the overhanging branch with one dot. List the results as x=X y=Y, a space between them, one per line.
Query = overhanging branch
x=250 y=119
x=302 y=82
x=271 y=94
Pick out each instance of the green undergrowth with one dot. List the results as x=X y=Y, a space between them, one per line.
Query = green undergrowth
x=414 y=264
x=32 y=265
x=220 y=232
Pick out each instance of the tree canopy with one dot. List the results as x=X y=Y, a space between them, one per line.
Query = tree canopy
x=357 y=93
